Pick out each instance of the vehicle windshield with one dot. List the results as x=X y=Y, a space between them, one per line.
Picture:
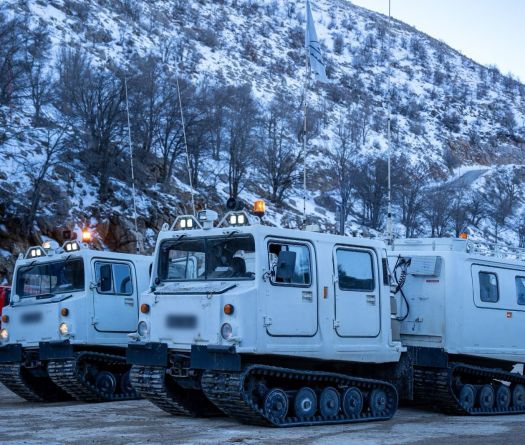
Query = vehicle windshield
x=201 y=259
x=48 y=279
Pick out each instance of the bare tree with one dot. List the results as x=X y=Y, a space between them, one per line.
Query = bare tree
x=37 y=168
x=343 y=168
x=13 y=33
x=501 y=195
x=38 y=75
x=241 y=121
x=95 y=99
x=437 y=210
x=279 y=155
x=370 y=179
x=409 y=187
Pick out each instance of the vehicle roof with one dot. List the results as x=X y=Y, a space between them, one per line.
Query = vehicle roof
x=87 y=254
x=259 y=230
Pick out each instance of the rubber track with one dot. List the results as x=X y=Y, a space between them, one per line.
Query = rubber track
x=11 y=376
x=434 y=387
x=66 y=374
x=150 y=383
x=226 y=391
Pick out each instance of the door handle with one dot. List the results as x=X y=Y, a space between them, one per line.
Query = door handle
x=130 y=301
x=371 y=299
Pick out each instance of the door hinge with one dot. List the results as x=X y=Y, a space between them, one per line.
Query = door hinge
x=336 y=324
x=267 y=321
x=94 y=321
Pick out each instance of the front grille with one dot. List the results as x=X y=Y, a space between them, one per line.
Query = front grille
x=181 y=321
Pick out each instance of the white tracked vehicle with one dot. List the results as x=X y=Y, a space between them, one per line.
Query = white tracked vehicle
x=64 y=333
x=284 y=327
x=461 y=307
x=271 y=326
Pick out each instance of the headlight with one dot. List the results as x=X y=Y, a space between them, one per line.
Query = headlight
x=4 y=334
x=142 y=329
x=63 y=328
x=226 y=331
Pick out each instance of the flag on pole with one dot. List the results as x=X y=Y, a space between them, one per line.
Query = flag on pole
x=313 y=48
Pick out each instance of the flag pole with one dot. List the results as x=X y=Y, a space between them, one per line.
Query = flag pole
x=304 y=138
x=389 y=228
x=306 y=78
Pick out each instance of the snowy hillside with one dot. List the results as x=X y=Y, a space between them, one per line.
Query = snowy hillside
x=241 y=69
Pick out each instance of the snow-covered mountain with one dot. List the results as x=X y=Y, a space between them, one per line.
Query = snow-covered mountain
x=241 y=71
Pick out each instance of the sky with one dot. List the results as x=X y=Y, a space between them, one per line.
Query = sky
x=491 y=32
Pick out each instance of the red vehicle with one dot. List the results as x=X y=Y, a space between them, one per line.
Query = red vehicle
x=5 y=292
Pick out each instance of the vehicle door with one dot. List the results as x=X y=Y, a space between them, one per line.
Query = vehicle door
x=115 y=296
x=357 y=302
x=291 y=289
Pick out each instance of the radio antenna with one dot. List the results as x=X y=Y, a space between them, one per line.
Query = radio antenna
x=188 y=166
x=133 y=194
x=389 y=228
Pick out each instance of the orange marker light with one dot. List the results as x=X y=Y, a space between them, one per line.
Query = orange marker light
x=259 y=207
x=325 y=292
x=5 y=318
x=64 y=312
x=144 y=308
x=228 y=309
x=463 y=235
x=86 y=236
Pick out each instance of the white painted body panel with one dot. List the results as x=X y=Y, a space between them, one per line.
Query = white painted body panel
x=276 y=319
x=86 y=308
x=446 y=310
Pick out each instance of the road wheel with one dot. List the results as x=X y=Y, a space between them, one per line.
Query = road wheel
x=305 y=403
x=467 y=397
x=352 y=402
x=276 y=405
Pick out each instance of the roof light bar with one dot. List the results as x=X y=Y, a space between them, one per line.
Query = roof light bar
x=186 y=222
x=71 y=246
x=35 y=252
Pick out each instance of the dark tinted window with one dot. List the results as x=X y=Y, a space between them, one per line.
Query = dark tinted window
x=113 y=278
x=122 y=275
x=215 y=258
x=355 y=270
x=47 y=279
x=520 y=289
x=302 y=270
x=488 y=287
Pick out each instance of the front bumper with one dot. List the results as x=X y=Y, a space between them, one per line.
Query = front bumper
x=202 y=357
x=11 y=353
x=56 y=350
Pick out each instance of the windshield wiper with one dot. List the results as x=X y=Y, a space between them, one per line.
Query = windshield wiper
x=46 y=295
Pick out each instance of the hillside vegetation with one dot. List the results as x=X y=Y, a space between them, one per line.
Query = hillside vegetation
x=458 y=128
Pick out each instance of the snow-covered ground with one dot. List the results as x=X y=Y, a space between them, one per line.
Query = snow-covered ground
x=140 y=422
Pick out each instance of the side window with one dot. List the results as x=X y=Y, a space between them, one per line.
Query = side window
x=123 y=283
x=520 y=289
x=104 y=278
x=355 y=270
x=113 y=278
x=290 y=264
x=488 y=287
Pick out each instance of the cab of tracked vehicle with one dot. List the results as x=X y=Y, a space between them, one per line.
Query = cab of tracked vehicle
x=72 y=295
x=254 y=289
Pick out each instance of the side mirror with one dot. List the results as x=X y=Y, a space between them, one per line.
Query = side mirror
x=285 y=266
x=105 y=283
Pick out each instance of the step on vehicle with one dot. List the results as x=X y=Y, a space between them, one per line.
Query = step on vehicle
x=461 y=307
x=64 y=333
x=270 y=326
